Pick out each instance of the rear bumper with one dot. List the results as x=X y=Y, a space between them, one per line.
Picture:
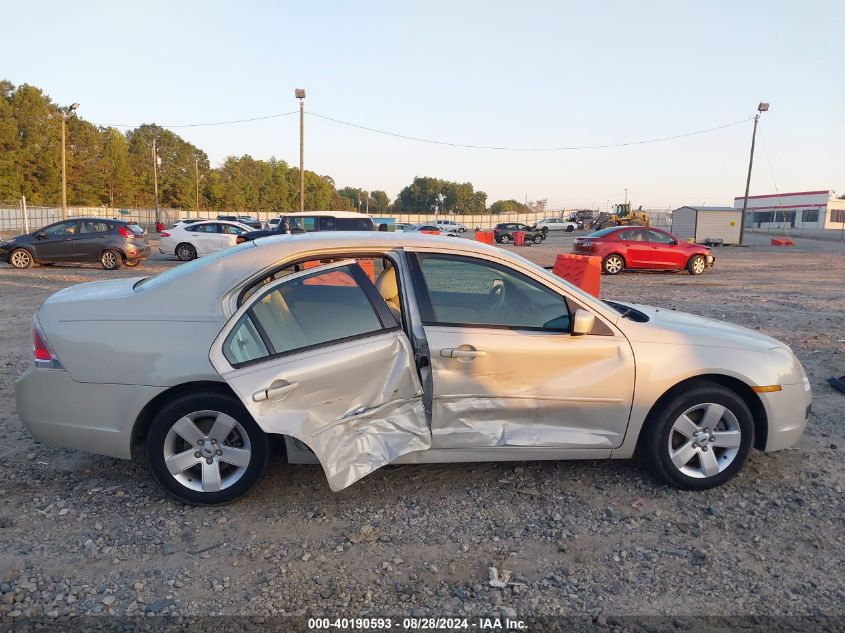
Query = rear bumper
x=787 y=411
x=91 y=417
x=137 y=251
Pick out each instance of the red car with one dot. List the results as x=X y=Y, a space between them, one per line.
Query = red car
x=644 y=248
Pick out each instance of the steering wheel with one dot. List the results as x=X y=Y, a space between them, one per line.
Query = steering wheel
x=497 y=297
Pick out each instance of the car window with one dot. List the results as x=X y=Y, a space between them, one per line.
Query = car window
x=61 y=229
x=93 y=226
x=658 y=236
x=355 y=224
x=468 y=291
x=136 y=229
x=204 y=228
x=631 y=235
x=326 y=223
x=302 y=313
x=230 y=229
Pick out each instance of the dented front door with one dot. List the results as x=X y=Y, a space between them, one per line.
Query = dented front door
x=318 y=356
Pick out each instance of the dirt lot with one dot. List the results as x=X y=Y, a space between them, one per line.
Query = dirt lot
x=86 y=534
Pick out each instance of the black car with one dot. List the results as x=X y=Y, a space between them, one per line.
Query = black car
x=250 y=221
x=111 y=242
x=315 y=221
x=503 y=233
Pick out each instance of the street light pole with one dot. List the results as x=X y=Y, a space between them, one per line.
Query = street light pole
x=197 y=173
x=155 y=177
x=65 y=113
x=300 y=94
x=762 y=107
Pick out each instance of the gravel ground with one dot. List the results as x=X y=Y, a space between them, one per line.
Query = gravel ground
x=83 y=534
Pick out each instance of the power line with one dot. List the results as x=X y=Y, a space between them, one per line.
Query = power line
x=441 y=142
x=528 y=149
x=183 y=125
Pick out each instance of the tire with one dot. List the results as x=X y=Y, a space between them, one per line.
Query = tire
x=245 y=440
x=462 y=230
x=186 y=252
x=505 y=239
x=131 y=263
x=613 y=264
x=570 y=228
x=111 y=260
x=696 y=265
x=21 y=258
x=538 y=239
x=695 y=451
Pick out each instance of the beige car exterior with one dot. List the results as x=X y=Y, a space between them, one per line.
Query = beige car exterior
x=413 y=389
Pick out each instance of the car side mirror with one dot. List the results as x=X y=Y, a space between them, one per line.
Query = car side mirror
x=41 y=235
x=583 y=322
x=673 y=242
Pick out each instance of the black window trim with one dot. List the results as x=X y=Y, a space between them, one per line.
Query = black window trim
x=426 y=308
x=357 y=272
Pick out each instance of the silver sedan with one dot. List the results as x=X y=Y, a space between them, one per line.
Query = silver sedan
x=368 y=349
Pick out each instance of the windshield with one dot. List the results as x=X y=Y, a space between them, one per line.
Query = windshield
x=189 y=267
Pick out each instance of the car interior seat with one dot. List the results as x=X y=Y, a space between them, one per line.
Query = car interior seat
x=388 y=288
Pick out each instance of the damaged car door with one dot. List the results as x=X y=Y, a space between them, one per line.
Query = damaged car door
x=507 y=371
x=318 y=355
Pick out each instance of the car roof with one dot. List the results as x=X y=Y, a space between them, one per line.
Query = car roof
x=96 y=219
x=336 y=214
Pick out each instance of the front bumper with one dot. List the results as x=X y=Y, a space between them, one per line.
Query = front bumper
x=92 y=417
x=710 y=260
x=788 y=411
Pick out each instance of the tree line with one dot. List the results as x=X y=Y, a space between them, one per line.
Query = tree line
x=106 y=167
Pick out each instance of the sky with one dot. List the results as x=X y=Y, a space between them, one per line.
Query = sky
x=524 y=74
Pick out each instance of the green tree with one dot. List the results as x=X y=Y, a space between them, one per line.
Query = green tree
x=425 y=195
x=508 y=206
x=379 y=202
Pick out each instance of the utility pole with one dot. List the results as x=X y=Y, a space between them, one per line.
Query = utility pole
x=762 y=107
x=367 y=202
x=626 y=195
x=197 y=172
x=300 y=94
x=65 y=113
x=155 y=177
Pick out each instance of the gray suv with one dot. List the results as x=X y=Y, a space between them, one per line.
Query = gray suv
x=112 y=243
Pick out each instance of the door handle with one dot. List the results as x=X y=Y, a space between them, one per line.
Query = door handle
x=456 y=352
x=277 y=388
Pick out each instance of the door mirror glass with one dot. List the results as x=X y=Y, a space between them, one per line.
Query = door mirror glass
x=583 y=322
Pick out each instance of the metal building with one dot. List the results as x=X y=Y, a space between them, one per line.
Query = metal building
x=715 y=225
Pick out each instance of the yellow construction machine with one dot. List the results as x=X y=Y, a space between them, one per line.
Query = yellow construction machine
x=622 y=215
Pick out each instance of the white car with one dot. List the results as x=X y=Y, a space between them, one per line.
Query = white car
x=557 y=224
x=371 y=348
x=451 y=225
x=189 y=241
x=187 y=221
x=272 y=224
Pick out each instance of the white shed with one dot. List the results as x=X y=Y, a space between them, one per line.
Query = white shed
x=707 y=224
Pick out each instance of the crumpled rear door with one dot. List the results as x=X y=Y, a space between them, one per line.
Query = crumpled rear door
x=356 y=402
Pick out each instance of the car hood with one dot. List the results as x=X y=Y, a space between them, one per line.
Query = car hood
x=682 y=328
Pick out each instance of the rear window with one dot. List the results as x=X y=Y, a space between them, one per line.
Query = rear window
x=137 y=230
x=604 y=232
x=189 y=267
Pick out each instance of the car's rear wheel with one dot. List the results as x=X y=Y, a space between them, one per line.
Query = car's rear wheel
x=111 y=260
x=205 y=449
x=186 y=252
x=613 y=264
x=570 y=228
x=505 y=239
x=696 y=265
x=538 y=239
x=131 y=263
x=21 y=258
x=700 y=438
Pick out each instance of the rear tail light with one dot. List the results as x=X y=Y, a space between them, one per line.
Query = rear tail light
x=42 y=352
x=125 y=232
x=165 y=234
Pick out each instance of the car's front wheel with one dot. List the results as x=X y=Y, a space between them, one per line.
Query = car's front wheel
x=696 y=265
x=505 y=239
x=205 y=449
x=700 y=438
x=186 y=252
x=569 y=228
x=613 y=264
x=21 y=258
x=538 y=239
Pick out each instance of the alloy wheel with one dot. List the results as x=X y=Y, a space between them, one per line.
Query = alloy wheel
x=109 y=260
x=613 y=264
x=21 y=259
x=704 y=440
x=698 y=265
x=185 y=252
x=207 y=451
